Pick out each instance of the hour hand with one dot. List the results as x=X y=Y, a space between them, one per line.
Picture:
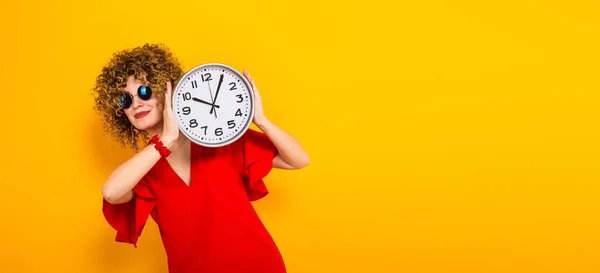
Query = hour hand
x=205 y=102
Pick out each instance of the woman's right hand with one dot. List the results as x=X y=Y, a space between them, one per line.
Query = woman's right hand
x=170 y=131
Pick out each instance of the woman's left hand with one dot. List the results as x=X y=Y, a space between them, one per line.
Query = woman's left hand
x=259 y=116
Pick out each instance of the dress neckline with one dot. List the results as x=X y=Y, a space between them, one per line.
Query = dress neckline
x=175 y=174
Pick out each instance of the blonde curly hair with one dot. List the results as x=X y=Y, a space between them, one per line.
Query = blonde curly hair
x=156 y=63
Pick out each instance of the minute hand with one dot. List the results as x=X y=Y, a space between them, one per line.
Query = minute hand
x=216 y=94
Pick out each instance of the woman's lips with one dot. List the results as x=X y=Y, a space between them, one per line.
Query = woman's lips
x=141 y=114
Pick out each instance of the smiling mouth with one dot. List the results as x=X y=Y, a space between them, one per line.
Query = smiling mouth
x=141 y=114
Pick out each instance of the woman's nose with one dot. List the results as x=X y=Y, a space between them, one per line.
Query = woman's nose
x=137 y=102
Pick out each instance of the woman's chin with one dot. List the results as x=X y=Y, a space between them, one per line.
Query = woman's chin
x=142 y=126
x=145 y=126
x=147 y=122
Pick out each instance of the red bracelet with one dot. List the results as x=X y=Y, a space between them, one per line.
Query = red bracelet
x=163 y=150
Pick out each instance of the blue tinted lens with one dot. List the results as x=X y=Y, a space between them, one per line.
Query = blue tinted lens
x=125 y=100
x=145 y=92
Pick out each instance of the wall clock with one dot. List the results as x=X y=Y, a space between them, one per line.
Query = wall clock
x=213 y=104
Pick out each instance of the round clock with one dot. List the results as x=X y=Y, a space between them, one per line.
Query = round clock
x=213 y=104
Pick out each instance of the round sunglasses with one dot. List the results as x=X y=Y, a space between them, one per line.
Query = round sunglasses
x=144 y=92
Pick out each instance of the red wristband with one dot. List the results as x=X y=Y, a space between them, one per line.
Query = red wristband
x=162 y=150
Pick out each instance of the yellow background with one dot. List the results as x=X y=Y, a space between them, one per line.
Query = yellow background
x=445 y=136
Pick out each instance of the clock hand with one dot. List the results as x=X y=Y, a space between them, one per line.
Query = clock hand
x=205 y=102
x=211 y=97
x=217 y=94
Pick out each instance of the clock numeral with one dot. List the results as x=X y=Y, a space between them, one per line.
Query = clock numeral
x=186 y=110
x=232 y=86
x=186 y=96
x=241 y=98
x=219 y=131
x=206 y=77
x=238 y=113
x=193 y=123
x=194 y=84
x=204 y=127
x=231 y=124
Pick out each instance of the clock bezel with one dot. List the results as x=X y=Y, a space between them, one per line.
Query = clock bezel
x=241 y=132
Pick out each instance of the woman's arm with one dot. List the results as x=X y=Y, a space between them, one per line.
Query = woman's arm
x=118 y=187
x=291 y=154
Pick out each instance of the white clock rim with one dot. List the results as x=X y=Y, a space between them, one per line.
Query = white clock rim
x=250 y=118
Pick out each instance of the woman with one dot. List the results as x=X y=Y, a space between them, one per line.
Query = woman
x=199 y=196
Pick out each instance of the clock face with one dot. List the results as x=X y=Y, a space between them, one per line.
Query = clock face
x=213 y=105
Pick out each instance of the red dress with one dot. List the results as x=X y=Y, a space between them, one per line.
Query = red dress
x=209 y=226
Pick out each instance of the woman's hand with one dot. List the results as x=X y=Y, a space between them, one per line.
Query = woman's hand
x=170 y=131
x=259 y=116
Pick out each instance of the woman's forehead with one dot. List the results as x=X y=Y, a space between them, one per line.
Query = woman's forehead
x=132 y=84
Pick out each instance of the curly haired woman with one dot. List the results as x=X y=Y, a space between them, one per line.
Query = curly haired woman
x=199 y=196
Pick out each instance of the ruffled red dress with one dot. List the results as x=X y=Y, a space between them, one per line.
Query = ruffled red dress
x=209 y=226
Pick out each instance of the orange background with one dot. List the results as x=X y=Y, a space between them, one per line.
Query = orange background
x=445 y=136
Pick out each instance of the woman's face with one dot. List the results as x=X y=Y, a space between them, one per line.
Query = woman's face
x=143 y=114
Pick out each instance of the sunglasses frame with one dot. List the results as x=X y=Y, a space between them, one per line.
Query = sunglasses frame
x=127 y=99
